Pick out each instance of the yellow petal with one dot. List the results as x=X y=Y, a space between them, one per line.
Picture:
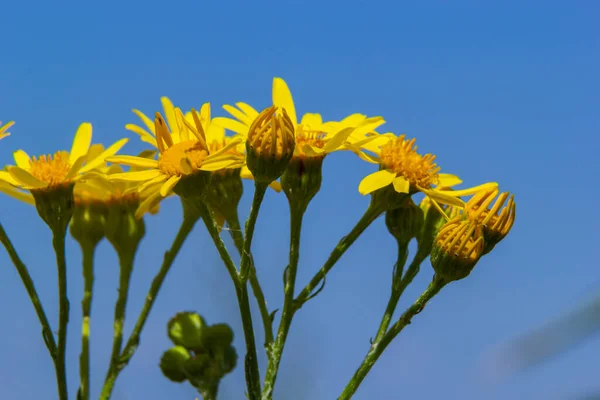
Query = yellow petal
x=282 y=97
x=25 y=179
x=443 y=197
x=75 y=167
x=94 y=151
x=22 y=159
x=232 y=125
x=144 y=186
x=137 y=176
x=6 y=177
x=276 y=186
x=144 y=135
x=448 y=180
x=401 y=185
x=238 y=114
x=312 y=120
x=81 y=142
x=148 y=204
x=375 y=181
x=16 y=193
x=250 y=112
x=147 y=121
x=134 y=161
x=337 y=140
x=101 y=158
x=246 y=174
x=168 y=186
x=5 y=128
x=215 y=133
x=205 y=113
x=169 y=113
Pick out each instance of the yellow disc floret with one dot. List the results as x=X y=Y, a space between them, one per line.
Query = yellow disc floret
x=400 y=156
x=52 y=169
x=272 y=134
x=177 y=159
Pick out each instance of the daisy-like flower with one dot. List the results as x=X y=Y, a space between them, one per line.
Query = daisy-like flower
x=313 y=137
x=4 y=129
x=408 y=171
x=49 y=172
x=183 y=151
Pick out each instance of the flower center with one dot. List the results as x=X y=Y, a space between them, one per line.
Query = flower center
x=51 y=169
x=304 y=135
x=400 y=155
x=190 y=150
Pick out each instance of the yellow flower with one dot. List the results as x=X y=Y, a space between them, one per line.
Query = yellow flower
x=182 y=152
x=313 y=137
x=48 y=172
x=4 y=129
x=408 y=171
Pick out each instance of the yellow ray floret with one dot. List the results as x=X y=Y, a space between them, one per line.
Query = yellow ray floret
x=50 y=171
x=182 y=154
x=4 y=129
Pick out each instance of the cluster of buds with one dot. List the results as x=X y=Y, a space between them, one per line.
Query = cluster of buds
x=202 y=354
x=472 y=232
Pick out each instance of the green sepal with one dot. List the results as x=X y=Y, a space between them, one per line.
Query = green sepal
x=172 y=363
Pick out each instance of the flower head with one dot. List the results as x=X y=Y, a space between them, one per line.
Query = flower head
x=4 y=129
x=183 y=151
x=270 y=144
x=49 y=172
x=457 y=248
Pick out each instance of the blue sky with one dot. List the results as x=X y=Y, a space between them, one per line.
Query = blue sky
x=506 y=91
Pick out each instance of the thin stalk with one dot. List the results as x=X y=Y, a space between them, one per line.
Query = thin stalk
x=88 y=251
x=259 y=194
x=58 y=241
x=368 y=217
x=241 y=289
x=378 y=347
x=125 y=269
x=134 y=339
x=238 y=239
x=276 y=351
x=33 y=296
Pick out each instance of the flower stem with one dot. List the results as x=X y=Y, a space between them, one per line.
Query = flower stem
x=209 y=391
x=241 y=289
x=58 y=241
x=33 y=296
x=379 y=346
x=126 y=268
x=88 y=251
x=238 y=239
x=276 y=350
x=259 y=194
x=132 y=343
x=368 y=217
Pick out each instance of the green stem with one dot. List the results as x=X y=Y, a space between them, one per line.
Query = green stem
x=58 y=241
x=368 y=217
x=378 y=347
x=33 y=296
x=276 y=351
x=125 y=269
x=397 y=290
x=238 y=239
x=209 y=391
x=88 y=251
x=251 y=361
x=134 y=339
x=259 y=194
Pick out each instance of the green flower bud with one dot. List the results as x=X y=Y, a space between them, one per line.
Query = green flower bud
x=218 y=335
x=172 y=363
x=187 y=329
x=301 y=180
x=88 y=223
x=405 y=222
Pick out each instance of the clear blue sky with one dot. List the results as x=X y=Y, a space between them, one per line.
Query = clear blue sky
x=506 y=91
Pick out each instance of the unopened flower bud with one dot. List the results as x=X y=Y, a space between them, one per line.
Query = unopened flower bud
x=187 y=329
x=270 y=144
x=405 y=222
x=457 y=248
x=172 y=363
x=497 y=219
